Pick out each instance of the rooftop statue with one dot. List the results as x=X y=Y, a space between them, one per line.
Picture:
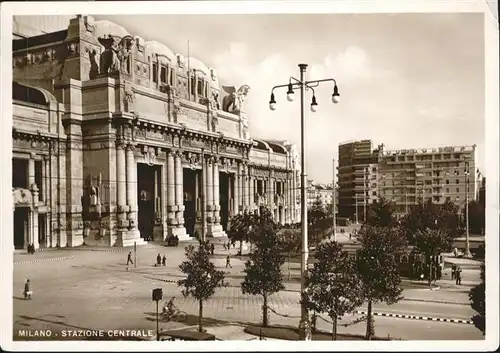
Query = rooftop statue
x=234 y=101
x=116 y=53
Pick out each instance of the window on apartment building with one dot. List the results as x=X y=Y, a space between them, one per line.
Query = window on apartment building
x=457 y=181
x=428 y=182
x=457 y=164
x=458 y=189
x=374 y=169
x=447 y=190
x=437 y=157
x=456 y=156
x=171 y=77
x=374 y=193
x=447 y=181
x=409 y=158
x=374 y=185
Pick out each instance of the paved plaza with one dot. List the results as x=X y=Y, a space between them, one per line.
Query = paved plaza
x=71 y=286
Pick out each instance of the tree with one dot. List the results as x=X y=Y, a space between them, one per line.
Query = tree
x=202 y=278
x=319 y=222
x=332 y=284
x=432 y=242
x=292 y=245
x=476 y=217
x=263 y=271
x=240 y=229
x=381 y=214
x=432 y=216
x=377 y=268
x=477 y=302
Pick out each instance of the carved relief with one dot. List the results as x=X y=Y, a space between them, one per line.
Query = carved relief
x=21 y=196
x=128 y=99
x=149 y=155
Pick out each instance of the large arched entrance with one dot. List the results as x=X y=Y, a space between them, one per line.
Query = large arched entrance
x=146 y=199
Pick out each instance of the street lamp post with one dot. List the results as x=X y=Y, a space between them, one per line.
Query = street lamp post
x=334 y=204
x=302 y=84
x=467 y=245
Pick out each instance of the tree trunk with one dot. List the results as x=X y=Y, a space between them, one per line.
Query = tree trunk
x=369 y=321
x=200 y=317
x=334 y=329
x=241 y=247
x=264 y=312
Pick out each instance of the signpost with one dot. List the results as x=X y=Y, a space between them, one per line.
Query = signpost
x=157 y=296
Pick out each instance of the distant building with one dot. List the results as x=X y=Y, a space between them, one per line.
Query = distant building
x=404 y=177
x=321 y=192
x=357 y=177
x=440 y=174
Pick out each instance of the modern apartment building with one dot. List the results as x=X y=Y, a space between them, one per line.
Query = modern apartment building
x=357 y=178
x=404 y=176
x=439 y=174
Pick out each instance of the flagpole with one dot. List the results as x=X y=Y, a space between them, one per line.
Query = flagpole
x=189 y=72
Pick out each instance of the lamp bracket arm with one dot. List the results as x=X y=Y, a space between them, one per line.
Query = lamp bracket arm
x=319 y=81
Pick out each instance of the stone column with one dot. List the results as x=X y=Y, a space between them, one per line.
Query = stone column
x=157 y=199
x=133 y=234
x=236 y=192
x=171 y=205
x=179 y=197
x=121 y=188
x=33 y=215
x=252 y=191
x=31 y=170
x=214 y=228
x=216 y=191
x=209 y=184
x=164 y=196
x=243 y=187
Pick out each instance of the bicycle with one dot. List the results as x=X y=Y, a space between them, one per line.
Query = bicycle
x=178 y=315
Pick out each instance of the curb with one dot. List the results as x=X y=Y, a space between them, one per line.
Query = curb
x=43 y=260
x=415 y=317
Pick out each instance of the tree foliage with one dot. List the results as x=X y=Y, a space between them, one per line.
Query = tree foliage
x=319 y=223
x=477 y=302
x=476 y=217
x=332 y=284
x=240 y=229
x=432 y=216
x=381 y=214
x=432 y=242
x=202 y=278
x=377 y=267
x=263 y=274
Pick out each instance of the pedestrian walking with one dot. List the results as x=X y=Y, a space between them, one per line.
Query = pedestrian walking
x=158 y=260
x=212 y=248
x=453 y=271
x=458 y=276
x=164 y=260
x=27 y=290
x=228 y=261
x=129 y=258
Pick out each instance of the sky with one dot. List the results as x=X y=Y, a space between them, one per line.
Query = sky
x=405 y=80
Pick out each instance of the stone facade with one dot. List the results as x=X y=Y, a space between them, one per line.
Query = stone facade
x=111 y=135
